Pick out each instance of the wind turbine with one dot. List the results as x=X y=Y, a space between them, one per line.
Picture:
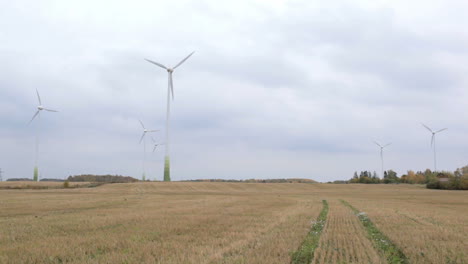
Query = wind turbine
x=170 y=91
x=40 y=108
x=381 y=154
x=156 y=144
x=143 y=138
x=433 y=143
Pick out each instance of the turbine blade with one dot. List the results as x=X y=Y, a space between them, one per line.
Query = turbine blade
x=143 y=126
x=50 y=110
x=427 y=127
x=38 y=97
x=180 y=63
x=152 y=138
x=432 y=139
x=441 y=130
x=152 y=130
x=34 y=116
x=387 y=145
x=171 y=84
x=155 y=146
x=377 y=144
x=142 y=136
x=157 y=64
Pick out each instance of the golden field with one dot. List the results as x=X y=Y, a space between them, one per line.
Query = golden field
x=203 y=222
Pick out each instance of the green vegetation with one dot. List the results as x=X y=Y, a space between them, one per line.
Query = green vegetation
x=36 y=174
x=167 y=170
x=305 y=253
x=450 y=181
x=19 y=179
x=381 y=242
x=101 y=178
x=457 y=180
x=66 y=184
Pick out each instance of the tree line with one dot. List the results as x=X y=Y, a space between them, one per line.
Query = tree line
x=457 y=180
x=101 y=178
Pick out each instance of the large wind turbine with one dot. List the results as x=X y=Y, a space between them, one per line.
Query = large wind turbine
x=170 y=91
x=38 y=113
x=433 y=143
x=143 y=138
x=381 y=155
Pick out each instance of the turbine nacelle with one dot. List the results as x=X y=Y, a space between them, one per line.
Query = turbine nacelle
x=40 y=107
x=170 y=70
x=145 y=130
x=433 y=142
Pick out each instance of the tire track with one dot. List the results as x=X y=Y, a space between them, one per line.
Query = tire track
x=305 y=253
x=381 y=242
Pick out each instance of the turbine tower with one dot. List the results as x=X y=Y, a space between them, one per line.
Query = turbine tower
x=143 y=138
x=381 y=155
x=433 y=143
x=170 y=91
x=38 y=113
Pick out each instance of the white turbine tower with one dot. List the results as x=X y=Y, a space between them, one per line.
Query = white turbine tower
x=381 y=155
x=433 y=143
x=143 y=138
x=38 y=113
x=170 y=91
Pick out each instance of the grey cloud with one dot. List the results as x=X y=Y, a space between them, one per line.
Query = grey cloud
x=290 y=91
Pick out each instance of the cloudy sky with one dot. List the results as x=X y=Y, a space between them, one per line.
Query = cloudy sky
x=276 y=89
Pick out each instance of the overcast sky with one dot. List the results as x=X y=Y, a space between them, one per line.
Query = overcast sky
x=275 y=89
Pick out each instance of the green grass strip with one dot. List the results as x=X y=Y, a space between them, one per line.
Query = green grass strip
x=382 y=243
x=305 y=253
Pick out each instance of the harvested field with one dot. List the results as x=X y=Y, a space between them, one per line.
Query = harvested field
x=227 y=223
x=429 y=226
x=344 y=239
x=156 y=222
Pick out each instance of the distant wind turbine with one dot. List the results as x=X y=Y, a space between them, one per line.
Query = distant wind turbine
x=381 y=155
x=156 y=144
x=40 y=107
x=433 y=145
x=143 y=138
x=170 y=91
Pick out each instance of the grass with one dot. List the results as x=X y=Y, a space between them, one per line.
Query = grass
x=212 y=222
x=391 y=252
x=305 y=253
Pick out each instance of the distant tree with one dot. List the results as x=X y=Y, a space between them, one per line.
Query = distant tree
x=391 y=176
x=19 y=179
x=429 y=176
x=375 y=178
x=404 y=178
x=101 y=178
x=355 y=178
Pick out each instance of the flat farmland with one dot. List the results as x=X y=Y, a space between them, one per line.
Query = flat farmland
x=185 y=222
